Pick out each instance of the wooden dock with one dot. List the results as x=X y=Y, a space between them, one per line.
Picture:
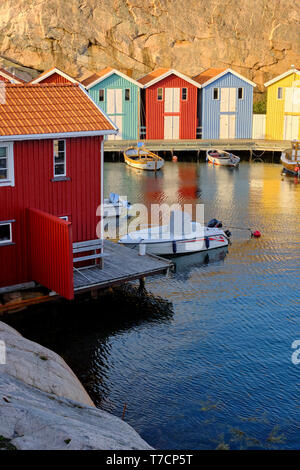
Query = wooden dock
x=199 y=144
x=120 y=265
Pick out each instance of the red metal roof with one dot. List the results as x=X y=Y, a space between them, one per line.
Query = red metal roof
x=95 y=76
x=153 y=75
x=49 y=109
x=208 y=74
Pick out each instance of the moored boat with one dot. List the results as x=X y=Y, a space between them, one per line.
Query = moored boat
x=180 y=236
x=223 y=158
x=114 y=206
x=143 y=159
x=290 y=159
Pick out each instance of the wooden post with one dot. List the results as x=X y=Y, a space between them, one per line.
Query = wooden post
x=250 y=157
x=142 y=284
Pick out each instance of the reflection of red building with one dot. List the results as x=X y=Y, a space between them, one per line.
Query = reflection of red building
x=188 y=187
x=54 y=75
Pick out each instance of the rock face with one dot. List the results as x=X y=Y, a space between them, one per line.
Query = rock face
x=258 y=38
x=44 y=406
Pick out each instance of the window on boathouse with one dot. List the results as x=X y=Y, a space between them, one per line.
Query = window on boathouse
x=280 y=93
x=216 y=93
x=6 y=164
x=159 y=94
x=101 y=95
x=5 y=233
x=184 y=94
x=241 y=93
x=59 y=158
x=127 y=94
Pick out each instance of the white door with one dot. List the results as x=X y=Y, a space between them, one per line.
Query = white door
x=291 y=127
x=228 y=100
x=172 y=100
x=118 y=121
x=292 y=100
x=114 y=101
x=171 y=127
x=227 y=126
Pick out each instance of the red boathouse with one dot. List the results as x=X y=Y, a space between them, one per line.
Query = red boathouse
x=51 y=163
x=54 y=75
x=169 y=105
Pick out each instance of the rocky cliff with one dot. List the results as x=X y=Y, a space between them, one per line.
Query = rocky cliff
x=258 y=38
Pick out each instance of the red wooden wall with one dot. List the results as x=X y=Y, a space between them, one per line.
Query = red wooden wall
x=55 y=78
x=154 y=109
x=78 y=197
x=51 y=252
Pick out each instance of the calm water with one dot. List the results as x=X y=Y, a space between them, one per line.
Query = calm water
x=217 y=372
x=220 y=371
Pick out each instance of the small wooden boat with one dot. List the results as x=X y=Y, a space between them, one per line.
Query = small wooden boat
x=143 y=159
x=181 y=236
x=290 y=159
x=223 y=158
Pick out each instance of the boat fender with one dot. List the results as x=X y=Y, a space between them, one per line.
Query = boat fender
x=207 y=242
x=174 y=247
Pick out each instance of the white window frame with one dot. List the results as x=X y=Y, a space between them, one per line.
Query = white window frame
x=186 y=96
x=241 y=88
x=213 y=94
x=64 y=217
x=7 y=242
x=10 y=181
x=65 y=159
x=162 y=94
x=280 y=88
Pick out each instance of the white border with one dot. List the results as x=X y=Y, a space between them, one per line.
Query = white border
x=280 y=77
x=167 y=74
x=12 y=78
x=11 y=166
x=5 y=242
x=108 y=74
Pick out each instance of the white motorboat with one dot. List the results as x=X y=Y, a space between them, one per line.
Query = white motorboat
x=114 y=206
x=180 y=236
x=223 y=158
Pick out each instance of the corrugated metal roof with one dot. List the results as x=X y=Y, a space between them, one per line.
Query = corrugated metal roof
x=49 y=109
x=208 y=74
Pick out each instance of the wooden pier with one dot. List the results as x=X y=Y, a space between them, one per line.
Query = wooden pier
x=199 y=144
x=119 y=265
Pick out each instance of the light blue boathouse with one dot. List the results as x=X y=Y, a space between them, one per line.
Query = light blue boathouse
x=119 y=97
x=225 y=104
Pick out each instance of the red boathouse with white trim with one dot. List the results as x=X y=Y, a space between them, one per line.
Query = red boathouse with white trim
x=169 y=105
x=51 y=164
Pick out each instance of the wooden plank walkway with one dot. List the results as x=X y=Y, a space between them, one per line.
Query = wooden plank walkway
x=119 y=265
x=199 y=144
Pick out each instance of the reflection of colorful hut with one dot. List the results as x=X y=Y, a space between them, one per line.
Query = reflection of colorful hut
x=187 y=183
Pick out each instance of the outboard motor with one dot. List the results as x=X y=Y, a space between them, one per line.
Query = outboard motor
x=228 y=233
x=214 y=223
